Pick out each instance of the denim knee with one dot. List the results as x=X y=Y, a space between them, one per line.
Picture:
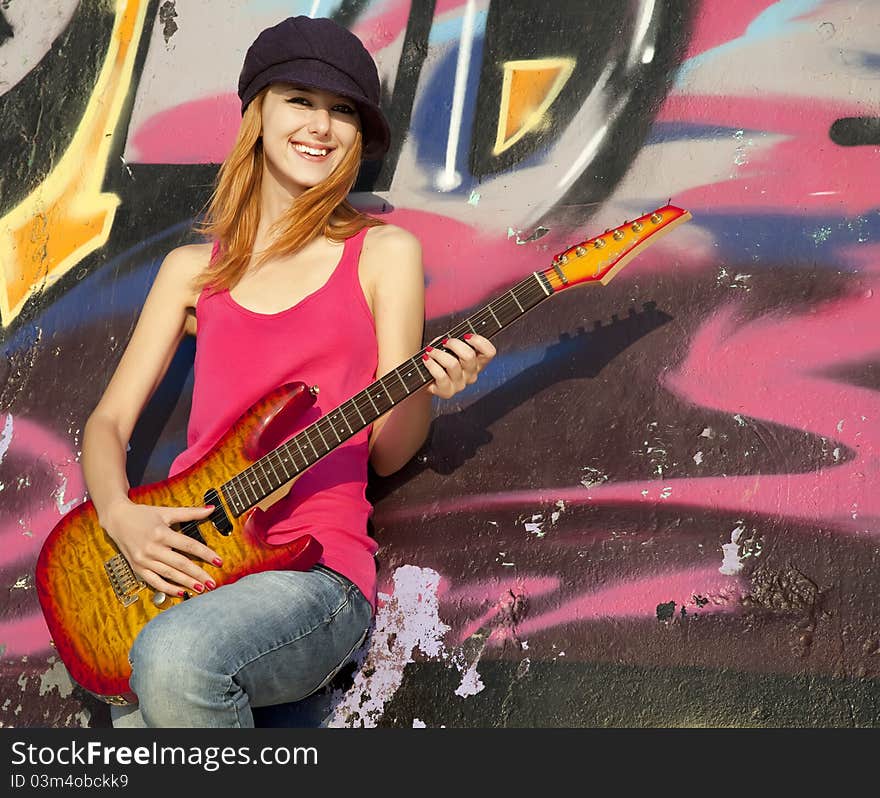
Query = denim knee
x=174 y=671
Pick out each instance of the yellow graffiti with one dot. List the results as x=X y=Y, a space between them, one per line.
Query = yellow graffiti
x=68 y=216
x=528 y=90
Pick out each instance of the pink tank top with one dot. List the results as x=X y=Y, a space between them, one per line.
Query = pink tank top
x=327 y=339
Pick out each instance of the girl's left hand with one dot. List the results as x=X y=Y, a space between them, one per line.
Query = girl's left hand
x=458 y=367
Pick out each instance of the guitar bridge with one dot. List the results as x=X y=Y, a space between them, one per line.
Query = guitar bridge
x=124 y=581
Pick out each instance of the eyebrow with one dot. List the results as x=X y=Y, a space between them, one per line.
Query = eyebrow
x=307 y=90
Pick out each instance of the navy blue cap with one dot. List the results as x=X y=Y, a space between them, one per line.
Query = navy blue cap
x=318 y=54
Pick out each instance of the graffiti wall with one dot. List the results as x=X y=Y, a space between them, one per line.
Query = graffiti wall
x=658 y=506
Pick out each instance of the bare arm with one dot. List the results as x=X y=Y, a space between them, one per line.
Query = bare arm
x=147 y=356
x=395 y=263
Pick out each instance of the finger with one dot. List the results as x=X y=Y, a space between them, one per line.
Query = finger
x=450 y=362
x=442 y=385
x=467 y=361
x=180 y=579
x=480 y=344
x=175 y=515
x=180 y=542
x=186 y=566
x=460 y=349
x=163 y=586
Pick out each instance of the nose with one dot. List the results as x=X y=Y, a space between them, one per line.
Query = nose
x=319 y=122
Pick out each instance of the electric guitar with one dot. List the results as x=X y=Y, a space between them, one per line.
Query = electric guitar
x=93 y=602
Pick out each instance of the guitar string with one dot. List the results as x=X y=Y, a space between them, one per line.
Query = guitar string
x=325 y=424
x=527 y=290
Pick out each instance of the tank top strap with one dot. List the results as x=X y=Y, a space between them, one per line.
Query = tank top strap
x=352 y=254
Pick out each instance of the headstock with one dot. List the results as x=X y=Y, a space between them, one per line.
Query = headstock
x=599 y=259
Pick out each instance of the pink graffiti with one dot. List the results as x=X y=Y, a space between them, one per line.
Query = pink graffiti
x=25 y=636
x=720 y=21
x=201 y=131
x=383 y=25
x=32 y=442
x=697 y=590
x=807 y=157
x=639 y=598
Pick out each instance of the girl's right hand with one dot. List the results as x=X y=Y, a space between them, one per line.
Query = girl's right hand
x=155 y=551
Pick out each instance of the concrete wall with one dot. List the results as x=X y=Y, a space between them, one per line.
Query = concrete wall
x=658 y=506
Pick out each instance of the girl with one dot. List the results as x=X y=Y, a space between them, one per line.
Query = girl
x=297 y=285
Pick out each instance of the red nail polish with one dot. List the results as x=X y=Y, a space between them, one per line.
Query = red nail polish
x=217 y=561
x=198 y=588
x=209 y=506
x=425 y=357
x=210 y=583
x=429 y=348
x=182 y=594
x=443 y=342
x=467 y=335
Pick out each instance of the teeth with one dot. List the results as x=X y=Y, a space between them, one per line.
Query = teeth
x=309 y=150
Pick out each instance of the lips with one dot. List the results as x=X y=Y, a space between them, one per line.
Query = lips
x=311 y=152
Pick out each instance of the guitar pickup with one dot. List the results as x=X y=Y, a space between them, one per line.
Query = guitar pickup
x=218 y=518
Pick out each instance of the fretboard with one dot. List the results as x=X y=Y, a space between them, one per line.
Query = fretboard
x=270 y=472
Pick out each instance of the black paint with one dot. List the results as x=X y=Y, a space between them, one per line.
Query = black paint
x=856 y=131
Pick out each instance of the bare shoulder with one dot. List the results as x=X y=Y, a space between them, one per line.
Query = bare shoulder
x=181 y=266
x=389 y=239
x=391 y=253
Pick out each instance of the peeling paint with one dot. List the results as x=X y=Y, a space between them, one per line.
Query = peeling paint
x=406 y=621
x=56 y=678
x=698 y=458
x=6 y=436
x=592 y=477
x=732 y=564
x=471 y=683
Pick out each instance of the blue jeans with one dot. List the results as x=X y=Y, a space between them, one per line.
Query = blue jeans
x=269 y=638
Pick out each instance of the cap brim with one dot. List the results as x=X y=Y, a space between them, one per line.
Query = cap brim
x=315 y=74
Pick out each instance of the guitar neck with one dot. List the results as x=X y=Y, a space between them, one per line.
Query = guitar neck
x=263 y=477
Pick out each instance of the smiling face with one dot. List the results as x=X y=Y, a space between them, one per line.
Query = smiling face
x=306 y=134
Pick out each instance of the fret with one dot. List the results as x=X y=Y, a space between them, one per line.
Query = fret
x=233 y=501
x=279 y=479
x=372 y=403
x=517 y=301
x=541 y=283
x=405 y=386
x=317 y=426
x=261 y=466
x=471 y=326
x=363 y=420
x=385 y=387
x=247 y=484
x=286 y=457
x=489 y=306
x=332 y=423
x=309 y=439
x=296 y=441
x=409 y=373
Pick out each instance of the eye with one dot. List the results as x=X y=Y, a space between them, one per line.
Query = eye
x=299 y=100
x=344 y=108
